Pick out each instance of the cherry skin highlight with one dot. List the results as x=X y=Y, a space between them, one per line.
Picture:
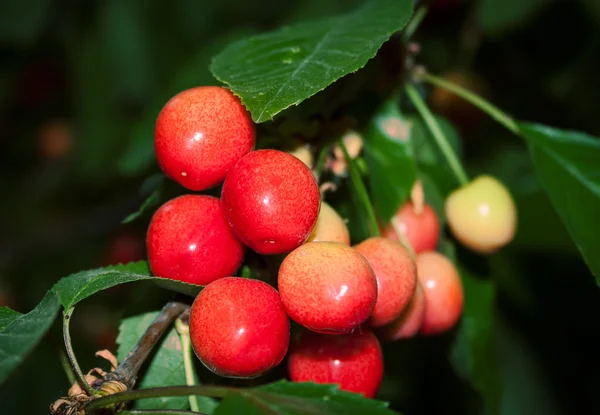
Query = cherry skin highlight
x=327 y=287
x=188 y=240
x=396 y=275
x=422 y=229
x=271 y=200
x=444 y=296
x=330 y=227
x=482 y=215
x=200 y=134
x=238 y=327
x=353 y=361
x=409 y=321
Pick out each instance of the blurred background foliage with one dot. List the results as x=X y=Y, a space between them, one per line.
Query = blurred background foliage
x=81 y=84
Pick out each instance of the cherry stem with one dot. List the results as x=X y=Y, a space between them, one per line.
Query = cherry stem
x=183 y=329
x=402 y=238
x=415 y=22
x=66 y=365
x=80 y=377
x=439 y=136
x=484 y=105
x=129 y=368
x=167 y=391
x=361 y=190
x=320 y=164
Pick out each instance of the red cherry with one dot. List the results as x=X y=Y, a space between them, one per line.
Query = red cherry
x=442 y=287
x=200 y=134
x=327 y=287
x=396 y=275
x=353 y=361
x=125 y=246
x=238 y=327
x=271 y=201
x=410 y=320
x=421 y=229
x=189 y=240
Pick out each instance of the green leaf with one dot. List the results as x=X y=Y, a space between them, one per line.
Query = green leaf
x=497 y=16
x=273 y=71
x=567 y=163
x=79 y=286
x=425 y=148
x=473 y=354
x=390 y=160
x=166 y=367
x=433 y=197
x=289 y=398
x=20 y=333
x=156 y=183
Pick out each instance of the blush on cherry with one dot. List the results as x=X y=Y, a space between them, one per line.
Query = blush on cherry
x=421 y=227
x=239 y=328
x=188 y=240
x=200 y=134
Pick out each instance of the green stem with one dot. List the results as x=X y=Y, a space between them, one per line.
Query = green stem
x=493 y=111
x=64 y=361
x=438 y=135
x=167 y=391
x=71 y=354
x=361 y=190
x=321 y=159
x=415 y=22
x=184 y=334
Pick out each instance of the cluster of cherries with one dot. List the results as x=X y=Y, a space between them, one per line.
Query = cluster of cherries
x=345 y=297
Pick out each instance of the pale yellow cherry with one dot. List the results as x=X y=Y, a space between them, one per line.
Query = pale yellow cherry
x=482 y=215
x=330 y=227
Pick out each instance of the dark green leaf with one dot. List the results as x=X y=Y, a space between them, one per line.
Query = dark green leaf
x=390 y=160
x=433 y=197
x=152 y=200
x=79 y=286
x=273 y=71
x=473 y=354
x=496 y=16
x=19 y=333
x=22 y=20
x=567 y=163
x=425 y=148
x=166 y=367
x=288 y=398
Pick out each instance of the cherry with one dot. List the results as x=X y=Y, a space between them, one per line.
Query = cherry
x=422 y=228
x=442 y=288
x=353 y=361
x=200 y=134
x=330 y=227
x=188 y=240
x=271 y=201
x=409 y=321
x=327 y=287
x=125 y=246
x=396 y=275
x=238 y=327
x=482 y=215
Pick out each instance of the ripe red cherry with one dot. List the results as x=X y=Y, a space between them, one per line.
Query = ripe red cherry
x=271 y=201
x=353 y=361
x=396 y=275
x=422 y=229
x=409 y=321
x=238 y=327
x=200 y=134
x=444 y=296
x=327 y=287
x=188 y=240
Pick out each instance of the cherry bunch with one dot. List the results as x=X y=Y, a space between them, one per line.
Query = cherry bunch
x=346 y=298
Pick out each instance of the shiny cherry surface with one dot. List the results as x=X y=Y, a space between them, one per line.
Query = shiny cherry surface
x=238 y=327
x=327 y=287
x=200 y=134
x=188 y=240
x=396 y=275
x=353 y=361
x=443 y=291
x=421 y=229
x=271 y=200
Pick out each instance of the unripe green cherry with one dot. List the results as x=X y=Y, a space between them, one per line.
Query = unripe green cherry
x=482 y=215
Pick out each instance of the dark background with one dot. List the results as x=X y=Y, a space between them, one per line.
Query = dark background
x=81 y=84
